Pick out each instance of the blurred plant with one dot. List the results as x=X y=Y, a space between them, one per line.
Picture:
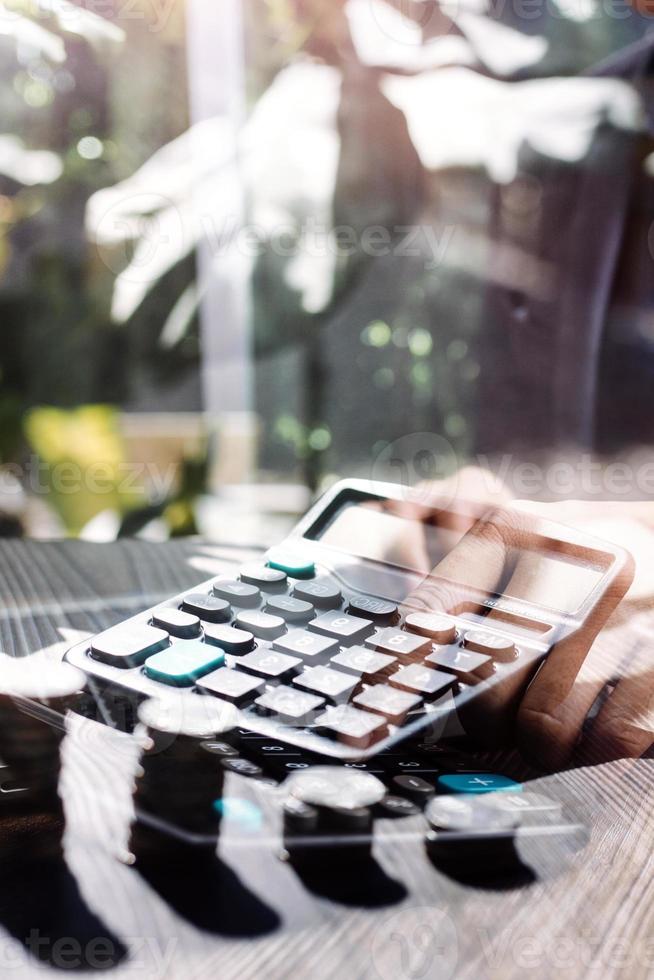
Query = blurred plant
x=83 y=465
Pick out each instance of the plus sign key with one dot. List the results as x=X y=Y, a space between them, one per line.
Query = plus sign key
x=477 y=782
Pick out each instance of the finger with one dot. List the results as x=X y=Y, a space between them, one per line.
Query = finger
x=624 y=727
x=474 y=567
x=551 y=715
x=544 y=581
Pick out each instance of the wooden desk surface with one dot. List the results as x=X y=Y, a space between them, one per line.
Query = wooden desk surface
x=586 y=914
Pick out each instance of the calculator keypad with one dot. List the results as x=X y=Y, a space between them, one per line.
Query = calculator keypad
x=299 y=654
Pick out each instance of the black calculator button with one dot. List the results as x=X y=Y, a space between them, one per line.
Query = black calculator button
x=399 y=642
x=394 y=705
x=207 y=607
x=415 y=787
x=236 y=642
x=363 y=663
x=397 y=806
x=379 y=611
x=265 y=663
x=301 y=643
x=232 y=685
x=289 y=705
x=323 y=594
x=290 y=609
x=331 y=684
x=263 y=577
x=436 y=626
x=422 y=680
x=178 y=623
x=263 y=625
x=242 y=766
x=238 y=593
x=466 y=664
x=483 y=641
x=128 y=646
x=222 y=749
x=346 y=629
x=353 y=727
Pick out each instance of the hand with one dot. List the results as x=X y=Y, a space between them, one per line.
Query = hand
x=544 y=711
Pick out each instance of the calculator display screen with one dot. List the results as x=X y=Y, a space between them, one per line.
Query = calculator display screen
x=376 y=531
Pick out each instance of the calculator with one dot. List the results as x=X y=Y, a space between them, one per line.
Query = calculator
x=327 y=642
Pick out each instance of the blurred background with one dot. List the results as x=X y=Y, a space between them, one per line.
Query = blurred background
x=245 y=247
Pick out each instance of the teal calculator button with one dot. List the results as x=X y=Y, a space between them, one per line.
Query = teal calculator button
x=477 y=782
x=294 y=565
x=243 y=813
x=184 y=662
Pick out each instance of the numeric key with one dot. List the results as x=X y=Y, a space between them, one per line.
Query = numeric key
x=272 y=666
x=394 y=705
x=399 y=642
x=289 y=705
x=345 y=629
x=363 y=663
x=232 y=685
x=422 y=680
x=331 y=684
x=466 y=664
x=353 y=727
x=301 y=643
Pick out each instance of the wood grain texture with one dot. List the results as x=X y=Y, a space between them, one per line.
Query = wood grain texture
x=586 y=914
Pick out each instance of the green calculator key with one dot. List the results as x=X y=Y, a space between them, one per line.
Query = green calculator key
x=294 y=565
x=184 y=662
